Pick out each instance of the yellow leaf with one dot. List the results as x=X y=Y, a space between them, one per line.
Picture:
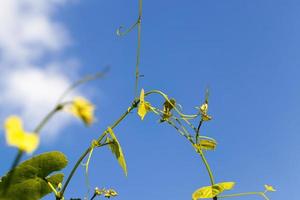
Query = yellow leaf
x=16 y=136
x=226 y=185
x=117 y=150
x=110 y=193
x=204 y=108
x=203 y=111
x=270 y=188
x=144 y=106
x=208 y=144
x=212 y=191
x=206 y=117
x=83 y=109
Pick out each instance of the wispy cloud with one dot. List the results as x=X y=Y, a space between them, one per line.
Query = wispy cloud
x=28 y=33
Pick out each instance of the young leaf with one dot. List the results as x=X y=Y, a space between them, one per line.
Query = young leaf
x=212 y=191
x=144 y=106
x=117 y=150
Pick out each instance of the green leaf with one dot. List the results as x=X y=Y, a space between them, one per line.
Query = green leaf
x=212 y=191
x=117 y=150
x=28 y=181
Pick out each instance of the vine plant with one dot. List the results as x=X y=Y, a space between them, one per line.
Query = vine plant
x=31 y=180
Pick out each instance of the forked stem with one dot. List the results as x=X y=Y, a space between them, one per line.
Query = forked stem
x=85 y=153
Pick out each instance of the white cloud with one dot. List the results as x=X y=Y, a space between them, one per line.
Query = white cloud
x=32 y=92
x=28 y=33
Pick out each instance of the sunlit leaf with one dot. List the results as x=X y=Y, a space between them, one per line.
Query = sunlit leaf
x=142 y=108
x=204 y=108
x=208 y=144
x=117 y=150
x=206 y=117
x=212 y=191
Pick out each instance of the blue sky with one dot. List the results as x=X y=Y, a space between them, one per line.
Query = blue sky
x=246 y=52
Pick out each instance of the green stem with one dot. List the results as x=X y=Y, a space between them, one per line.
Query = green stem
x=138 y=50
x=211 y=177
x=167 y=99
x=48 y=117
x=245 y=194
x=82 y=81
x=182 y=132
x=72 y=172
x=61 y=194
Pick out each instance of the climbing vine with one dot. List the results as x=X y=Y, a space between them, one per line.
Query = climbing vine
x=30 y=179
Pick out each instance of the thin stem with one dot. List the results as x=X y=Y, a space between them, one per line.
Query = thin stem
x=13 y=166
x=198 y=130
x=82 y=81
x=138 y=50
x=190 y=124
x=94 y=196
x=48 y=117
x=120 y=33
x=211 y=177
x=244 y=194
x=183 y=133
x=174 y=107
x=17 y=159
x=138 y=23
x=85 y=153
x=73 y=171
x=200 y=152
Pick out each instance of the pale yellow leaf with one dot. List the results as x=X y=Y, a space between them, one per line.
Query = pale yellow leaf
x=117 y=150
x=208 y=192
